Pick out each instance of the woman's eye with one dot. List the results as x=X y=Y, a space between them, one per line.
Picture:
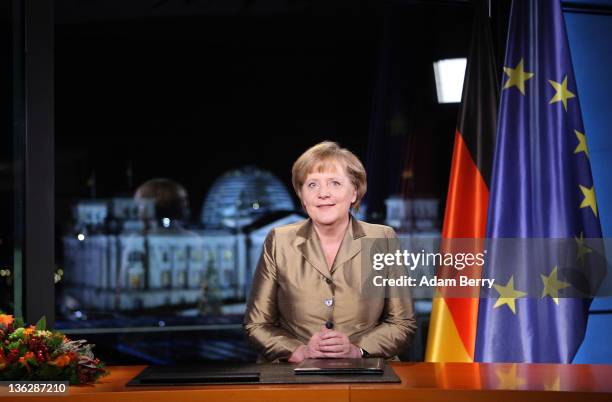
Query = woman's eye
x=335 y=183
x=312 y=185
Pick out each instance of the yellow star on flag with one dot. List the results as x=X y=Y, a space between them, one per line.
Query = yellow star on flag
x=581 y=248
x=508 y=295
x=589 y=198
x=582 y=146
x=517 y=77
x=552 y=285
x=509 y=379
x=562 y=94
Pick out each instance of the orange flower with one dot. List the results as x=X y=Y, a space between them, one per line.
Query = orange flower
x=24 y=359
x=73 y=356
x=6 y=319
x=60 y=361
x=29 y=331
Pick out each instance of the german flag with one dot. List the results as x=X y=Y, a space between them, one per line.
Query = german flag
x=452 y=331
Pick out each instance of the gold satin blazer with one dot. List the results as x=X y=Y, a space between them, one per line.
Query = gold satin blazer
x=294 y=293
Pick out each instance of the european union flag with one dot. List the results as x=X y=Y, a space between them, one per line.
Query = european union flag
x=541 y=188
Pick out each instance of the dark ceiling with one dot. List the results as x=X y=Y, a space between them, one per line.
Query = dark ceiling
x=80 y=11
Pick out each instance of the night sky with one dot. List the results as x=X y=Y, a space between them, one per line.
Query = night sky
x=190 y=97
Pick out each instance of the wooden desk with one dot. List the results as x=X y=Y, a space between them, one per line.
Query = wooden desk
x=420 y=382
x=112 y=389
x=492 y=382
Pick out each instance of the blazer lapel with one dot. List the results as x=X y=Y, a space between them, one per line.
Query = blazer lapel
x=310 y=247
x=351 y=244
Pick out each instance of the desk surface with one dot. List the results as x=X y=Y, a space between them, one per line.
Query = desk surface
x=420 y=381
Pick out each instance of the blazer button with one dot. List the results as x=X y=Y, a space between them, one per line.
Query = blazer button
x=329 y=281
x=329 y=324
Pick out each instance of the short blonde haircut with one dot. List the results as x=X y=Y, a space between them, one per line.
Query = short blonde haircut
x=320 y=158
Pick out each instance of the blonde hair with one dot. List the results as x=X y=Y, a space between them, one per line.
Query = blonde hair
x=320 y=158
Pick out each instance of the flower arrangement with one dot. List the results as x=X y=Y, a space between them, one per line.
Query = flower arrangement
x=34 y=353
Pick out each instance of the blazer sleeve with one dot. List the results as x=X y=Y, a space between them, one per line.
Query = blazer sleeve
x=261 y=317
x=397 y=324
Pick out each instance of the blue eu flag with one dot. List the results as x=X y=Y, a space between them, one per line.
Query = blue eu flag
x=541 y=188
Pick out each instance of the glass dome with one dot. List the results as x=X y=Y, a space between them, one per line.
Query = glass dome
x=240 y=196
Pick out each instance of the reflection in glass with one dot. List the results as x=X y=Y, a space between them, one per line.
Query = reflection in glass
x=139 y=261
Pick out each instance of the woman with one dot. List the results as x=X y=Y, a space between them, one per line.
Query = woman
x=307 y=299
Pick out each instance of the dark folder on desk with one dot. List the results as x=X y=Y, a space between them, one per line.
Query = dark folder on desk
x=323 y=371
x=341 y=366
x=197 y=375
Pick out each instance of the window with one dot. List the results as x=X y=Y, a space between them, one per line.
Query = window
x=165 y=278
x=182 y=279
x=135 y=281
x=188 y=104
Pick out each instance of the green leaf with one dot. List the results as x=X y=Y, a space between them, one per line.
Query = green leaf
x=41 y=325
x=18 y=323
x=54 y=342
x=13 y=345
x=18 y=334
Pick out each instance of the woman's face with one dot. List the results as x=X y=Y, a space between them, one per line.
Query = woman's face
x=327 y=196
